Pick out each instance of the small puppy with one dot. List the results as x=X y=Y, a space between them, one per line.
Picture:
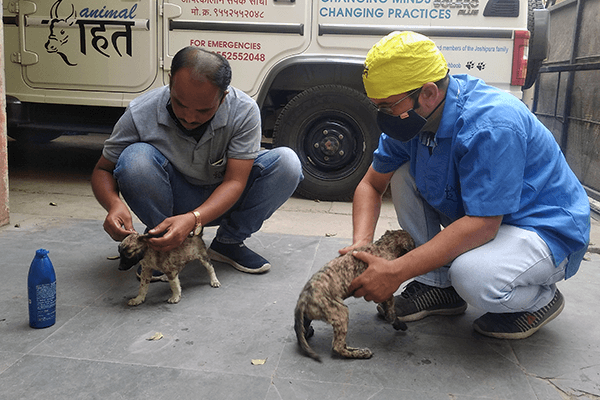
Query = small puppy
x=134 y=248
x=323 y=295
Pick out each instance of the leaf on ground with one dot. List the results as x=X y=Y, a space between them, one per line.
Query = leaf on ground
x=156 y=336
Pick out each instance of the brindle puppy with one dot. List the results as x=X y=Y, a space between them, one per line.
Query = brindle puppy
x=323 y=295
x=134 y=248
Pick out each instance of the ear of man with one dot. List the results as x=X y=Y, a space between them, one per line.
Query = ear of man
x=430 y=97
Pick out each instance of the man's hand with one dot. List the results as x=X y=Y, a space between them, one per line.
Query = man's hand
x=172 y=231
x=118 y=223
x=378 y=282
x=352 y=247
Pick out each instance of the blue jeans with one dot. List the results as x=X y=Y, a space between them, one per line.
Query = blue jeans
x=155 y=190
x=513 y=272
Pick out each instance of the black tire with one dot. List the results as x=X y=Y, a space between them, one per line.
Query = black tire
x=333 y=130
x=533 y=65
x=39 y=136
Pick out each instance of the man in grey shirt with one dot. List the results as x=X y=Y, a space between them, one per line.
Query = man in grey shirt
x=188 y=155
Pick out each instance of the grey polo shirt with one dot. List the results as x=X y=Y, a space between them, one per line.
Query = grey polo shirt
x=234 y=132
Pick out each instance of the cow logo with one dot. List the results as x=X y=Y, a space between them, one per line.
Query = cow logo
x=59 y=36
x=121 y=22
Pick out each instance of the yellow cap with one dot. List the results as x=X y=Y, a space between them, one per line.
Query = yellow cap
x=401 y=62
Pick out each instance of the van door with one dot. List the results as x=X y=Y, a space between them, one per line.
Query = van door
x=252 y=34
x=86 y=45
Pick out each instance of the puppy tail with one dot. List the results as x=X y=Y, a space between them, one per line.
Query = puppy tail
x=304 y=331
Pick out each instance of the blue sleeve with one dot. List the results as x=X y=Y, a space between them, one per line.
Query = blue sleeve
x=390 y=154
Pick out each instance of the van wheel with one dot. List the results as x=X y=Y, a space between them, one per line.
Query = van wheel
x=533 y=65
x=30 y=135
x=333 y=130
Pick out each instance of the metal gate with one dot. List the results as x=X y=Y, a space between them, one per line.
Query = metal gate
x=567 y=93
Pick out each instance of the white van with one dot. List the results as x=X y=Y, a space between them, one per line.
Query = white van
x=73 y=65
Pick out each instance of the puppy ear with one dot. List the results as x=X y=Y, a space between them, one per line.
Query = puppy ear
x=122 y=240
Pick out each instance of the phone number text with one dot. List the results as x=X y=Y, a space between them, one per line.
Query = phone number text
x=232 y=13
x=241 y=56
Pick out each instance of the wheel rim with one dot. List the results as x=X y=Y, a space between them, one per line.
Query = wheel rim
x=333 y=146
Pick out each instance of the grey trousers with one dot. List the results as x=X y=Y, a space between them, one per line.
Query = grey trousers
x=513 y=272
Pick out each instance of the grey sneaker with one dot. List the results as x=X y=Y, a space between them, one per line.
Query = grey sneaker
x=519 y=325
x=418 y=301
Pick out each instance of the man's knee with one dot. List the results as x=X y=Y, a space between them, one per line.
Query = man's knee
x=137 y=160
x=283 y=162
x=475 y=283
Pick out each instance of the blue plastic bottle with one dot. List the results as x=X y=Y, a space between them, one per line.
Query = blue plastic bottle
x=41 y=287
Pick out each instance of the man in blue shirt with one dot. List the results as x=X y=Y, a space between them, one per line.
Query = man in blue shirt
x=474 y=160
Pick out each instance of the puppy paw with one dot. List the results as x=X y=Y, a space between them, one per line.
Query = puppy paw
x=174 y=299
x=399 y=325
x=352 y=352
x=136 y=301
x=360 y=353
x=310 y=332
x=215 y=283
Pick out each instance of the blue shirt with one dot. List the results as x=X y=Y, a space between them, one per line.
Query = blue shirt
x=491 y=156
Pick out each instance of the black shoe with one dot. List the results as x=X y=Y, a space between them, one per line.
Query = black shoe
x=519 y=325
x=418 y=301
x=239 y=257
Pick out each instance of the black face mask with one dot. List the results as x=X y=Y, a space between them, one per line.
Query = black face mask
x=405 y=126
x=197 y=132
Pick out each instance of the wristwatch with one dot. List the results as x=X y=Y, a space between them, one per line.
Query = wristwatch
x=198 y=226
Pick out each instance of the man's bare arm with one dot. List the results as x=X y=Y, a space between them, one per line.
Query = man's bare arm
x=118 y=223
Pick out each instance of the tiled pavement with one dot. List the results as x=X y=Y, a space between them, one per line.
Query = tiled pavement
x=100 y=348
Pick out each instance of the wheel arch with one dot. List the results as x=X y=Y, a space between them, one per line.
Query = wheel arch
x=298 y=73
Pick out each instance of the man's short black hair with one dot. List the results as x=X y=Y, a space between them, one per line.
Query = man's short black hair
x=204 y=65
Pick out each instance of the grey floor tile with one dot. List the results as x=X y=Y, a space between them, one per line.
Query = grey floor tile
x=293 y=389
x=35 y=377
x=99 y=347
